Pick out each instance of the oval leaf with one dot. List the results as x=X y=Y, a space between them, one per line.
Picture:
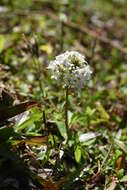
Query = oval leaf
x=78 y=154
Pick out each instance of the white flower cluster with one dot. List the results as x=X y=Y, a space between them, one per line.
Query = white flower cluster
x=71 y=68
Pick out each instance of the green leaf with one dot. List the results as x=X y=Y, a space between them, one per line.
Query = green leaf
x=121 y=145
x=102 y=111
x=2 y=42
x=120 y=173
x=62 y=129
x=30 y=121
x=77 y=154
x=90 y=111
x=70 y=114
x=124 y=179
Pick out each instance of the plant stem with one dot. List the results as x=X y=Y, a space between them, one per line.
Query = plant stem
x=62 y=36
x=106 y=157
x=38 y=69
x=66 y=111
x=44 y=119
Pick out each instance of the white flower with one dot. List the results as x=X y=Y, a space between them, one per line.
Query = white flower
x=70 y=68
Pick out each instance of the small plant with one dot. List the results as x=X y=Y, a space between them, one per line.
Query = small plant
x=72 y=71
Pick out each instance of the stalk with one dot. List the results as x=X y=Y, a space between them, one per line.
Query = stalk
x=37 y=66
x=66 y=111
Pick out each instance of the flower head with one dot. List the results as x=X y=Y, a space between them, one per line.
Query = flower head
x=71 y=68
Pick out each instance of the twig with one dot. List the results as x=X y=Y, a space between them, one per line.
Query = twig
x=90 y=32
x=95 y=34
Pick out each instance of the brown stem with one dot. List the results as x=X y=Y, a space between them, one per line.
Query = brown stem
x=44 y=119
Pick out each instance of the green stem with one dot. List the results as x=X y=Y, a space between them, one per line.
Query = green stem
x=106 y=157
x=38 y=70
x=66 y=111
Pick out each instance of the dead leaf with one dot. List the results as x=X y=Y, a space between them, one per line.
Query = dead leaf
x=38 y=140
x=11 y=111
x=113 y=185
x=120 y=162
x=50 y=185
